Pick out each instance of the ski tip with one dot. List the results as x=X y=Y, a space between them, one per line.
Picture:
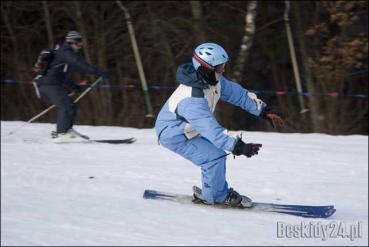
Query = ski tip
x=323 y=214
x=117 y=141
x=330 y=212
x=149 y=194
x=131 y=140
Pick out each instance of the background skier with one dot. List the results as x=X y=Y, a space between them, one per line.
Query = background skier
x=52 y=85
x=186 y=124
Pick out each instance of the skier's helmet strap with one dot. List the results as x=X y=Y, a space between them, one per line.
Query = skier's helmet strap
x=209 y=55
x=203 y=63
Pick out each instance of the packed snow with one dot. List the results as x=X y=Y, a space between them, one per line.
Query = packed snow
x=91 y=194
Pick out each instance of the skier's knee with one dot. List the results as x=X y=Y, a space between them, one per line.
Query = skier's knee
x=69 y=108
x=217 y=156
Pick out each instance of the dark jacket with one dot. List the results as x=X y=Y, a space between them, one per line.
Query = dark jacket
x=64 y=62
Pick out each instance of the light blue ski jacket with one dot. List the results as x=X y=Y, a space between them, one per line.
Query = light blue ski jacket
x=189 y=110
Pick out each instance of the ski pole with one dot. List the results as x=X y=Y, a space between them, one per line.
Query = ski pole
x=88 y=89
x=52 y=106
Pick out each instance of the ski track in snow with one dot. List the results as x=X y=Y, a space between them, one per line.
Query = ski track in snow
x=91 y=194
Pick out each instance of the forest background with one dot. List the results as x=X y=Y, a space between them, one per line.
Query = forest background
x=330 y=42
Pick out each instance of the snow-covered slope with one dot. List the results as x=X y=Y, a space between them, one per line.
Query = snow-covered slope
x=91 y=194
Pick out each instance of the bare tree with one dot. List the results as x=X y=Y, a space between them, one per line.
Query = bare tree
x=328 y=45
x=246 y=41
x=79 y=20
x=336 y=53
x=48 y=23
x=199 y=32
x=313 y=102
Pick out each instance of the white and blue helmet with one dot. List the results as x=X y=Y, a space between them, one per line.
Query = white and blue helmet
x=209 y=55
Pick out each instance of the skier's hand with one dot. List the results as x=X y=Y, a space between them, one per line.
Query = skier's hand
x=275 y=118
x=247 y=149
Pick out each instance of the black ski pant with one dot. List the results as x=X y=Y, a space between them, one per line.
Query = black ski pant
x=58 y=96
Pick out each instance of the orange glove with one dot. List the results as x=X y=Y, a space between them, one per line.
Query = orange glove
x=275 y=118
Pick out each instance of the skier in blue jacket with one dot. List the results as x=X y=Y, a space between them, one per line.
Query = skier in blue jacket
x=186 y=124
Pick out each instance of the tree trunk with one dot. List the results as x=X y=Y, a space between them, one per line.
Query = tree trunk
x=313 y=102
x=17 y=68
x=240 y=61
x=246 y=42
x=104 y=95
x=121 y=114
x=82 y=29
x=197 y=15
x=93 y=103
x=48 y=25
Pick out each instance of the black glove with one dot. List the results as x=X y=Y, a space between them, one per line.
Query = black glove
x=272 y=116
x=247 y=149
x=103 y=73
x=77 y=89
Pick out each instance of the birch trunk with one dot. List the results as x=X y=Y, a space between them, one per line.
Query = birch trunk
x=197 y=14
x=246 y=41
x=240 y=61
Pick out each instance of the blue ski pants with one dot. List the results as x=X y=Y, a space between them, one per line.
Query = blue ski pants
x=212 y=162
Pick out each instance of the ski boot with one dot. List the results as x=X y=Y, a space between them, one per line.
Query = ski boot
x=197 y=196
x=75 y=133
x=70 y=136
x=233 y=199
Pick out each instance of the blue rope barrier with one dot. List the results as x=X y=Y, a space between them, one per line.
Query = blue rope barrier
x=265 y=92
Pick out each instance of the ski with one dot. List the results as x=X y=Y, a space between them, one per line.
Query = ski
x=109 y=141
x=297 y=210
x=117 y=141
x=86 y=141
